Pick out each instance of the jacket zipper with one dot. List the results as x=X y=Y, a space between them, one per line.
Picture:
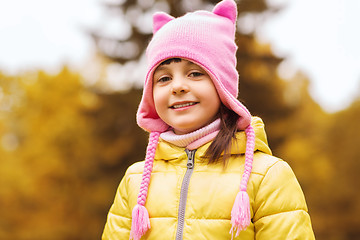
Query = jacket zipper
x=184 y=192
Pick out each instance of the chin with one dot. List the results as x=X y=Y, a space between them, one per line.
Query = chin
x=185 y=129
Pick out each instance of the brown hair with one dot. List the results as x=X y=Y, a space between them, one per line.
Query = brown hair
x=222 y=142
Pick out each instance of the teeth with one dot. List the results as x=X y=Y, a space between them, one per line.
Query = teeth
x=183 y=105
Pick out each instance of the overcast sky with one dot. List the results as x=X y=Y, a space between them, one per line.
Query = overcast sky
x=321 y=37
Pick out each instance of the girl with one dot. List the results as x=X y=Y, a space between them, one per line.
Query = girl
x=208 y=171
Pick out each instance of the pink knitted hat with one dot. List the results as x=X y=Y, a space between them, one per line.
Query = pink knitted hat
x=207 y=39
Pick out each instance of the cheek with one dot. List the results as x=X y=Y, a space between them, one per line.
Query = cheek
x=212 y=96
x=159 y=99
x=214 y=105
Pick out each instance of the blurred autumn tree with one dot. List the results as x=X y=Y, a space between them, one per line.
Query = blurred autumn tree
x=342 y=145
x=64 y=146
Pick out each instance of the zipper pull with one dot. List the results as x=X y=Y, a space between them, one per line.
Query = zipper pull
x=190 y=154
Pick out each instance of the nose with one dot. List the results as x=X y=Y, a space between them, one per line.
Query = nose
x=179 y=85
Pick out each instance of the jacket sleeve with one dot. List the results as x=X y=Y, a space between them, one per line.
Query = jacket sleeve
x=280 y=210
x=118 y=222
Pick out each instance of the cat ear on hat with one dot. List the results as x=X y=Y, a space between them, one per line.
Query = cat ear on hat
x=160 y=19
x=226 y=8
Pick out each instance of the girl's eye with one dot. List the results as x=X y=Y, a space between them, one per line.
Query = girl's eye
x=163 y=79
x=196 y=74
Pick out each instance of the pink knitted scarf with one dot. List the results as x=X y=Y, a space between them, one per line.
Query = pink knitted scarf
x=194 y=139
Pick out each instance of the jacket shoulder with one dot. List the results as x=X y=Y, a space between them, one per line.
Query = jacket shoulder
x=278 y=189
x=278 y=203
x=263 y=162
x=135 y=168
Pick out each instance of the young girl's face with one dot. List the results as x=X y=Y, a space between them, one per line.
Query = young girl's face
x=184 y=95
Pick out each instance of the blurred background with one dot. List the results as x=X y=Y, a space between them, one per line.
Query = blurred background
x=71 y=74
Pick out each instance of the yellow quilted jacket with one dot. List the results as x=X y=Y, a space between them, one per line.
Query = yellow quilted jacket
x=278 y=208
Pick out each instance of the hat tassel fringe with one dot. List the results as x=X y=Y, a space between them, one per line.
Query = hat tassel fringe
x=240 y=213
x=140 y=222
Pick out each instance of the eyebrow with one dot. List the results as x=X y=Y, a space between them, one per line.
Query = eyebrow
x=160 y=67
x=191 y=63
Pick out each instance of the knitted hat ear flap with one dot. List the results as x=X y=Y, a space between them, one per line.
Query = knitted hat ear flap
x=140 y=216
x=240 y=213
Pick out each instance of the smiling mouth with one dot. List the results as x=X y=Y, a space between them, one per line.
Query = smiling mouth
x=176 y=106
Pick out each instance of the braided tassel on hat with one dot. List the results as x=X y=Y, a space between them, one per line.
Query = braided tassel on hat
x=240 y=213
x=140 y=216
